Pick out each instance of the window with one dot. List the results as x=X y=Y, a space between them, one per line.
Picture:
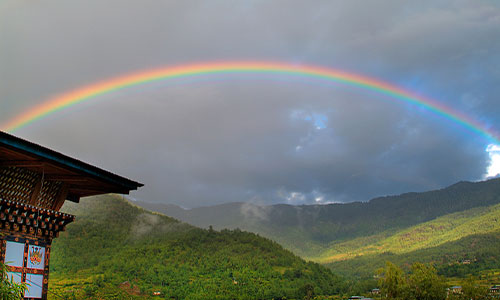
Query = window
x=14 y=254
x=35 y=285
x=26 y=263
x=15 y=276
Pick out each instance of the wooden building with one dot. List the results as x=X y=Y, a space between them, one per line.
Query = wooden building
x=34 y=183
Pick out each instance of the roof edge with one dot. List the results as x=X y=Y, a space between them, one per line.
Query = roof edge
x=75 y=164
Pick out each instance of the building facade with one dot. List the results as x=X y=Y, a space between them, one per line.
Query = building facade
x=34 y=183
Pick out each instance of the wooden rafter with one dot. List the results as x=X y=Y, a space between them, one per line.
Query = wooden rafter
x=95 y=190
x=21 y=163
x=66 y=178
x=35 y=192
x=61 y=196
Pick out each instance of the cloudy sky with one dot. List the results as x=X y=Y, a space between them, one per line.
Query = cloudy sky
x=266 y=139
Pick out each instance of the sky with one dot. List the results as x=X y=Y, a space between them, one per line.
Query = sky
x=263 y=139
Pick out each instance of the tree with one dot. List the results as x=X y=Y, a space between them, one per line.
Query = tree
x=422 y=284
x=10 y=290
x=472 y=290
x=307 y=291
x=425 y=284
x=392 y=282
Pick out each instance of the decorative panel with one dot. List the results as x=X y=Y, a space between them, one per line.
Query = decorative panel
x=17 y=184
x=36 y=257
x=48 y=193
x=27 y=219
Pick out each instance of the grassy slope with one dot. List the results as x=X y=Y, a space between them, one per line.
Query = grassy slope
x=482 y=249
x=112 y=242
x=472 y=234
x=430 y=234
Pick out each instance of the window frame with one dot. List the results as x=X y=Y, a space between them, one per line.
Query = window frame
x=25 y=270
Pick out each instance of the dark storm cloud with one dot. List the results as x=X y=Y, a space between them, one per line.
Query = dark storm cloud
x=210 y=141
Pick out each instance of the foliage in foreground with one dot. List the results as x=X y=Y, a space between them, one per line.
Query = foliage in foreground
x=9 y=290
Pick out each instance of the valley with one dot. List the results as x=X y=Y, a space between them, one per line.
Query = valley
x=116 y=247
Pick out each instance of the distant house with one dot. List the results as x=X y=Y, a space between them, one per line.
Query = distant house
x=495 y=290
x=376 y=291
x=456 y=289
x=466 y=262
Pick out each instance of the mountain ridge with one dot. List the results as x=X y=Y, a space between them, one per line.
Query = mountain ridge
x=310 y=229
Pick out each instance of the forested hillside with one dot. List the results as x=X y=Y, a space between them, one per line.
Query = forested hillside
x=118 y=251
x=309 y=230
x=461 y=222
x=471 y=255
x=448 y=228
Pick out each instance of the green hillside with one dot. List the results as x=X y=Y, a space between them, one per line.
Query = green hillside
x=115 y=250
x=430 y=234
x=482 y=250
x=355 y=239
x=310 y=230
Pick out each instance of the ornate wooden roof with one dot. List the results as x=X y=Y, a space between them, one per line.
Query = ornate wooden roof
x=27 y=164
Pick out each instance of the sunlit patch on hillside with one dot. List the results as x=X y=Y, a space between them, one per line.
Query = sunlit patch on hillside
x=494 y=167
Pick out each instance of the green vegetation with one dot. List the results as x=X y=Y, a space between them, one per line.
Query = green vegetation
x=318 y=232
x=430 y=234
x=444 y=227
x=471 y=290
x=115 y=250
x=9 y=290
x=422 y=283
x=482 y=250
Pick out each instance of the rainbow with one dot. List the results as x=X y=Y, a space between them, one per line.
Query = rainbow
x=254 y=67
